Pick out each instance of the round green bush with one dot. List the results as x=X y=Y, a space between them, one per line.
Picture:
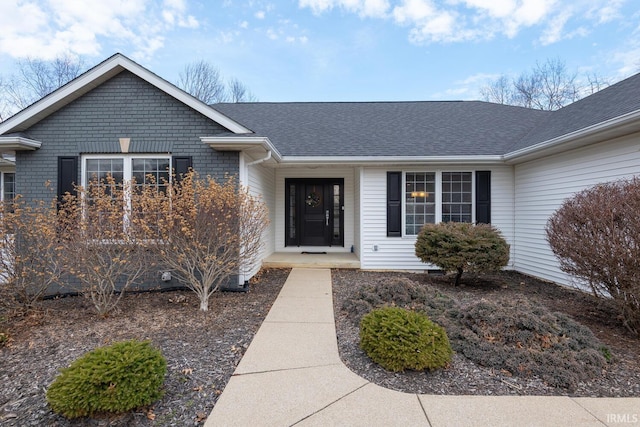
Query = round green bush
x=116 y=378
x=399 y=339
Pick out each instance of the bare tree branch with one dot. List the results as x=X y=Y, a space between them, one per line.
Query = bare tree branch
x=36 y=79
x=238 y=92
x=549 y=86
x=204 y=81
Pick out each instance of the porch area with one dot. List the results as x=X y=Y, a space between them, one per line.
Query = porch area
x=311 y=260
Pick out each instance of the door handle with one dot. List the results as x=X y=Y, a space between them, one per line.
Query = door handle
x=326 y=217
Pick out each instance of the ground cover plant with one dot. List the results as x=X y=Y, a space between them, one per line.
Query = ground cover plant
x=511 y=334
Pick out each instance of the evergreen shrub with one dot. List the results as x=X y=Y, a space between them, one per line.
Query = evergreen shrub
x=115 y=378
x=459 y=247
x=399 y=339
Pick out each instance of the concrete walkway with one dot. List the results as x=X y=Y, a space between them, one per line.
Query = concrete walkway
x=292 y=374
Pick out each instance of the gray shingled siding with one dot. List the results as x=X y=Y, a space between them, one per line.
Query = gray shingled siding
x=123 y=107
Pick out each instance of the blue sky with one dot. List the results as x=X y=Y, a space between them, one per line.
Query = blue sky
x=335 y=50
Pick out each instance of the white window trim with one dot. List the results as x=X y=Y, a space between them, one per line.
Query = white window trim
x=438 y=195
x=2 y=175
x=127 y=171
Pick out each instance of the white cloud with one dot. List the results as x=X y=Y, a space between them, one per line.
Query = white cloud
x=260 y=14
x=48 y=29
x=438 y=21
x=364 y=8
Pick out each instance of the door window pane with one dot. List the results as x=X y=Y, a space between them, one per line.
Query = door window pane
x=292 y=211
x=337 y=212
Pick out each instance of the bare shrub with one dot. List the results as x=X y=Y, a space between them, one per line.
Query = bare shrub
x=460 y=247
x=209 y=230
x=596 y=237
x=30 y=260
x=103 y=248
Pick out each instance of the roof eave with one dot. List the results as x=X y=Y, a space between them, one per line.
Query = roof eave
x=609 y=129
x=242 y=143
x=95 y=77
x=9 y=144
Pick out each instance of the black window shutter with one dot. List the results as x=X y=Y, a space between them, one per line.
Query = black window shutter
x=67 y=176
x=483 y=197
x=394 y=204
x=181 y=166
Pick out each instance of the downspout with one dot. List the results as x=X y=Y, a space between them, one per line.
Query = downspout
x=255 y=162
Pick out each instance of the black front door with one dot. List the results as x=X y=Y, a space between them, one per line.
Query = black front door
x=314 y=212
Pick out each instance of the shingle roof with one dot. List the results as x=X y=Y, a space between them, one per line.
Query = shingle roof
x=613 y=101
x=430 y=128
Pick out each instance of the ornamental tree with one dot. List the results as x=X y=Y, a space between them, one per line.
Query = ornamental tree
x=30 y=260
x=204 y=232
x=459 y=247
x=103 y=248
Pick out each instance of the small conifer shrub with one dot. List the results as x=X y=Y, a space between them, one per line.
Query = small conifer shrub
x=399 y=339
x=115 y=378
x=459 y=247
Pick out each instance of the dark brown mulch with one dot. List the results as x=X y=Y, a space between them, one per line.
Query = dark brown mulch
x=620 y=378
x=202 y=350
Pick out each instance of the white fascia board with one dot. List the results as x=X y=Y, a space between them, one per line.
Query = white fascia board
x=618 y=126
x=18 y=143
x=98 y=75
x=241 y=143
x=385 y=160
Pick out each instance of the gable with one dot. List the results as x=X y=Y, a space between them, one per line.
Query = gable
x=95 y=77
x=123 y=106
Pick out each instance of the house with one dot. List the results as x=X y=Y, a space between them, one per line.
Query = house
x=343 y=177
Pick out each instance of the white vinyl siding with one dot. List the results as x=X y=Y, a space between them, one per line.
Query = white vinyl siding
x=261 y=181
x=380 y=252
x=357 y=211
x=322 y=172
x=542 y=185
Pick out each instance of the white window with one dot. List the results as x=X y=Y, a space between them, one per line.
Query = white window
x=8 y=186
x=124 y=168
x=457 y=196
x=420 y=200
x=432 y=197
x=144 y=169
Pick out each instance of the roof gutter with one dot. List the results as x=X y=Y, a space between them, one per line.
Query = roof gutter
x=264 y=159
x=618 y=126
x=385 y=160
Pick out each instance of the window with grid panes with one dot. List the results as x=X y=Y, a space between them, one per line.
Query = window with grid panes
x=420 y=200
x=457 y=196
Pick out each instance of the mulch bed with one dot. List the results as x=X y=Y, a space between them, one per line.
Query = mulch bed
x=202 y=350
x=464 y=377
